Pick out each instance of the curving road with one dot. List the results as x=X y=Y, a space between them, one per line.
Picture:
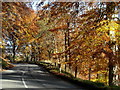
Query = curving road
x=32 y=76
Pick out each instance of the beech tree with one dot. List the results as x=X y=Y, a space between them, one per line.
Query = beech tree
x=83 y=41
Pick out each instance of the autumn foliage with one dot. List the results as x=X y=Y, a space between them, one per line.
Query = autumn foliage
x=83 y=41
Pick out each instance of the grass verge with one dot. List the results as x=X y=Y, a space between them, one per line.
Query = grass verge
x=77 y=81
x=6 y=65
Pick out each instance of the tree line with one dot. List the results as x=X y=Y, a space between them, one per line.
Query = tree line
x=81 y=38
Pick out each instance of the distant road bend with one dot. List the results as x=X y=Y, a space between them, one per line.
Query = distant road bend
x=33 y=76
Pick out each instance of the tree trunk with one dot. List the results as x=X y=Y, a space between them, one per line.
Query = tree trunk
x=13 y=51
x=89 y=76
x=68 y=32
x=65 y=50
x=110 y=8
x=76 y=71
x=110 y=73
x=67 y=44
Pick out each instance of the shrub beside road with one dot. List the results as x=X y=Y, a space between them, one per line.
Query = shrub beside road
x=68 y=77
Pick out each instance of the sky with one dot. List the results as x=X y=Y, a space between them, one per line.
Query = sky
x=36 y=2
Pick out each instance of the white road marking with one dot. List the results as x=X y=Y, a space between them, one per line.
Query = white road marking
x=24 y=80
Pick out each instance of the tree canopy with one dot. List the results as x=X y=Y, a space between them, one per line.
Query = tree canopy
x=79 y=37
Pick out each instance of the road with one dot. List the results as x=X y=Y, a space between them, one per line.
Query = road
x=32 y=76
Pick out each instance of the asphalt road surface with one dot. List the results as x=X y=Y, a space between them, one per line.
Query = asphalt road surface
x=30 y=76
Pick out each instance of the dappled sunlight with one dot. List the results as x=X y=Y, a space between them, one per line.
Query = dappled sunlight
x=79 y=40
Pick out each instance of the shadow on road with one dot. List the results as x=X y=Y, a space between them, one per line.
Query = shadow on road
x=34 y=77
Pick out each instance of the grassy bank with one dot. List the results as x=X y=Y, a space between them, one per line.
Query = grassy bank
x=6 y=65
x=67 y=76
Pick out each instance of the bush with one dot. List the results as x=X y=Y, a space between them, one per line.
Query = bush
x=114 y=87
x=69 y=77
x=4 y=64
